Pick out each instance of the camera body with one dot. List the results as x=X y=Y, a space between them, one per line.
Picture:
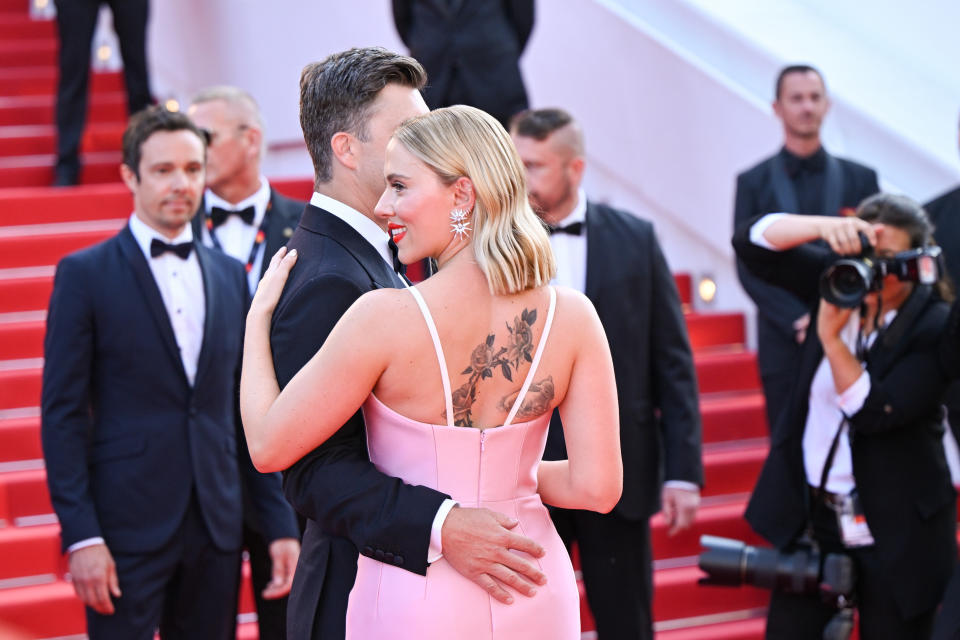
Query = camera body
x=804 y=571
x=848 y=280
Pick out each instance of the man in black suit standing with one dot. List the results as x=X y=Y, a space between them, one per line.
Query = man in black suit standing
x=801 y=178
x=350 y=105
x=76 y=23
x=614 y=258
x=139 y=410
x=470 y=49
x=245 y=218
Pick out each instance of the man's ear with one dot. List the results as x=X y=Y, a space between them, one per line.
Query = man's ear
x=463 y=194
x=129 y=178
x=577 y=166
x=776 y=109
x=344 y=149
x=255 y=137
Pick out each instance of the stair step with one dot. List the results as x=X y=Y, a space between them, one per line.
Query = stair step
x=26 y=110
x=14 y=26
x=685 y=288
x=723 y=518
x=38 y=139
x=15 y=7
x=42 y=81
x=25 y=293
x=20 y=440
x=719 y=329
x=677 y=595
x=43 y=611
x=733 y=468
x=751 y=626
x=733 y=416
x=734 y=370
x=29 y=552
x=42 y=249
x=49 y=205
x=28 y=52
x=21 y=340
x=37 y=171
x=23 y=494
x=20 y=388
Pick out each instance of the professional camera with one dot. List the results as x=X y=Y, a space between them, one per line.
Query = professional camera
x=732 y=563
x=847 y=281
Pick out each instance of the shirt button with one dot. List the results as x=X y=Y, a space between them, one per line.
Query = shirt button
x=378 y=554
x=887 y=409
x=367 y=551
x=398 y=560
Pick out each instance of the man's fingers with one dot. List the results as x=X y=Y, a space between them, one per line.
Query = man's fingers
x=113 y=582
x=505 y=520
x=519 y=566
x=493 y=588
x=101 y=597
x=525 y=544
x=511 y=578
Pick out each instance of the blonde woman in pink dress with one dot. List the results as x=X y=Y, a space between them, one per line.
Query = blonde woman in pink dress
x=457 y=378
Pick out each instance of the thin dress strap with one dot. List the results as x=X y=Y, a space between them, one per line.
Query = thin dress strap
x=536 y=358
x=447 y=397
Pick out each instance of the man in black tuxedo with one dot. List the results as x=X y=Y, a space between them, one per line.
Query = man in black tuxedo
x=76 y=23
x=139 y=411
x=614 y=258
x=470 y=49
x=350 y=105
x=245 y=218
x=801 y=178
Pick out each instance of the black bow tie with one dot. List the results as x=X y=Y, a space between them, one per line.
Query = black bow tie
x=159 y=247
x=573 y=229
x=811 y=164
x=218 y=215
x=398 y=266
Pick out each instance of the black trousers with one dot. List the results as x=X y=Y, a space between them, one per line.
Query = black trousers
x=803 y=617
x=187 y=589
x=271 y=614
x=76 y=22
x=947 y=626
x=616 y=559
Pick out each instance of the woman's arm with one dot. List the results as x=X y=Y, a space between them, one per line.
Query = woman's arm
x=592 y=476
x=282 y=427
x=844 y=366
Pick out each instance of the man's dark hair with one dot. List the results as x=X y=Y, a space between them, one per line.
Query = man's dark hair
x=145 y=123
x=539 y=123
x=336 y=94
x=796 y=68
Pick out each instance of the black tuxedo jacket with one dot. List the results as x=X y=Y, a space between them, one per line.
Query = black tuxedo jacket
x=125 y=437
x=284 y=214
x=630 y=284
x=895 y=441
x=944 y=213
x=350 y=505
x=760 y=190
x=471 y=52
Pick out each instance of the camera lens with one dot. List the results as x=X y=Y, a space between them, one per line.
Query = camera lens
x=846 y=282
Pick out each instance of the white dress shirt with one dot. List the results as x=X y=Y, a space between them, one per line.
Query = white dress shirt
x=235 y=236
x=181 y=288
x=827 y=407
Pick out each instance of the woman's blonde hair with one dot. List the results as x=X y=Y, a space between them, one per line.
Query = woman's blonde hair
x=509 y=240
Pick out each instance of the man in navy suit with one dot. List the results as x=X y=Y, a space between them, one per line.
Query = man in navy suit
x=350 y=105
x=140 y=424
x=614 y=258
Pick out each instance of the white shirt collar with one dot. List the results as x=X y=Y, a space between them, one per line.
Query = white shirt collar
x=363 y=225
x=144 y=234
x=579 y=213
x=258 y=200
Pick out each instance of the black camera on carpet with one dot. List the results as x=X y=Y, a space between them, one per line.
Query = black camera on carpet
x=847 y=281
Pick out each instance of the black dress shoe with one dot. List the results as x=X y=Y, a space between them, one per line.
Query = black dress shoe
x=66 y=175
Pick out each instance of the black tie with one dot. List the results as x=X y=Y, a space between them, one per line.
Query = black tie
x=219 y=215
x=398 y=266
x=159 y=247
x=574 y=229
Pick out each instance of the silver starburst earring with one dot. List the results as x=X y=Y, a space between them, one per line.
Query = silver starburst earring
x=459 y=225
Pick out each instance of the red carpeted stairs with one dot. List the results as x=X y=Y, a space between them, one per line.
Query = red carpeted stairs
x=38 y=225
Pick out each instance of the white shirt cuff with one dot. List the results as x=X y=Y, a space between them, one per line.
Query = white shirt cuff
x=435 y=552
x=756 y=231
x=89 y=542
x=681 y=484
x=853 y=397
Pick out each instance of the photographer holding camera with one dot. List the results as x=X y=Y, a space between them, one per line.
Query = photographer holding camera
x=856 y=466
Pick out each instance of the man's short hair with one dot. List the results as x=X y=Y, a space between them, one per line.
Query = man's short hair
x=539 y=123
x=145 y=123
x=233 y=96
x=336 y=94
x=795 y=68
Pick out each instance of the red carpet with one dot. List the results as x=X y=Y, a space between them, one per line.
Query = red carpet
x=39 y=225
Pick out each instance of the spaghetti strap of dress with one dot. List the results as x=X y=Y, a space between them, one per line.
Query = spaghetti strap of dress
x=447 y=396
x=536 y=358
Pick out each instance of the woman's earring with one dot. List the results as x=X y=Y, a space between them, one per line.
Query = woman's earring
x=458 y=223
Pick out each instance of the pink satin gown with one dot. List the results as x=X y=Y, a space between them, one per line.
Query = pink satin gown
x=494 y=468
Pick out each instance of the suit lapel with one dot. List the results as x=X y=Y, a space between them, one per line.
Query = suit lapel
x=325 y=223
x=151 y=294
x=209 y=295
x=596 y=242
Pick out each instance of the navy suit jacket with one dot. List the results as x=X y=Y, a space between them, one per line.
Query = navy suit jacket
x=125 y=437
x=350 y=505
x=630 y=284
